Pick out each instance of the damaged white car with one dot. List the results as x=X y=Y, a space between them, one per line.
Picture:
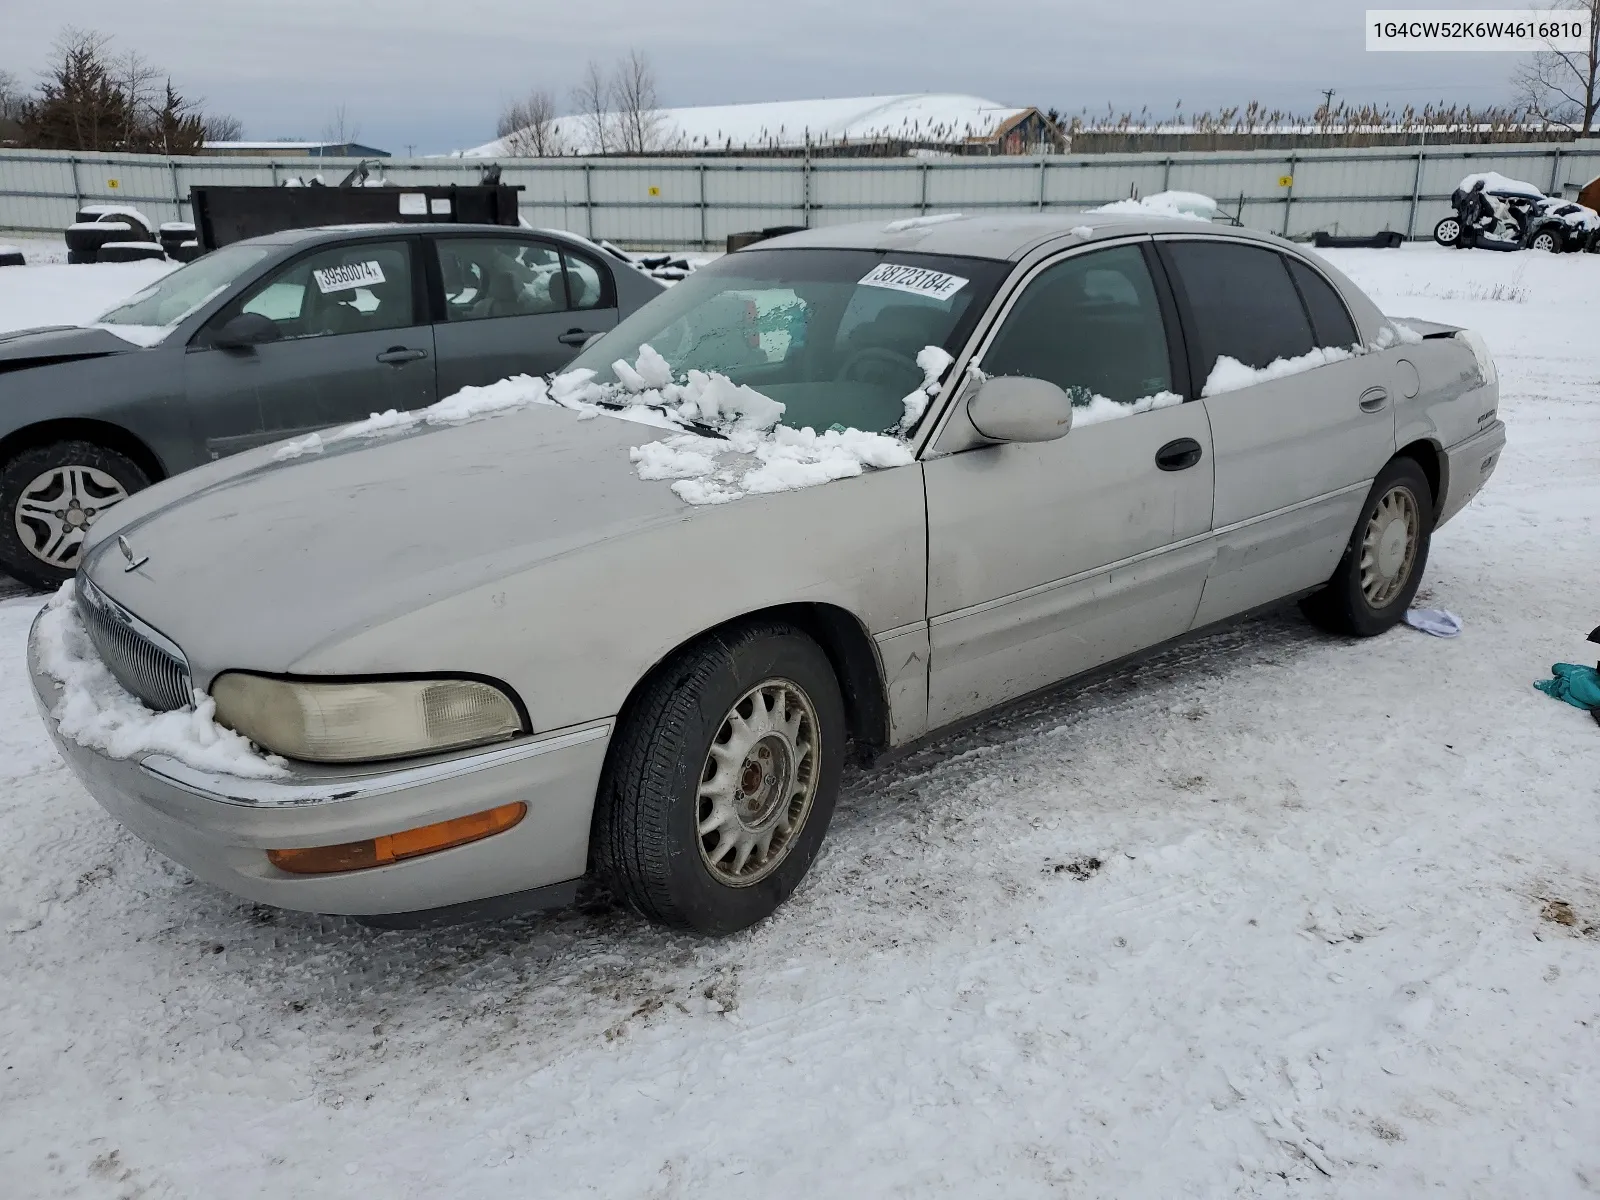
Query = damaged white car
x=867 y=482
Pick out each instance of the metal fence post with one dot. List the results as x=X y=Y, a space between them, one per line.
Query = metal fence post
x=705 y=243
x=1288 y=197
x=1555 y=174
x=177 y=193
x=924 y=189
x=805 y=188
x=1166 y=175
x=1416 y=194
x=1041 y=182
x=588 y=198
x=77 y=188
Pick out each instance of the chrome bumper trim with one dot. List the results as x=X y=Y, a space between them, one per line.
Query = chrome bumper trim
x=271 y=793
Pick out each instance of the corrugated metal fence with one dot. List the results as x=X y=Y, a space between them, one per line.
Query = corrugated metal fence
x=696 y=202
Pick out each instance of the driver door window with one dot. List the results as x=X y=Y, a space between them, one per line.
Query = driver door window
x=1091 y=325
x=348 y=289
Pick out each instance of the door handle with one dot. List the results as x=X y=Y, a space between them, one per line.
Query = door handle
x=1374 y=398
x=399 y=355
x=1179 y=455
x=575 y=337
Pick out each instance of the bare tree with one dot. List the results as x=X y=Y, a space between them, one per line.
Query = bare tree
x=340 y=129
x=138 y=79
x=638 y=115
x=222 y=127
x=1562 y=87
x=527 y=127
x=10 y=96
x=591 y=101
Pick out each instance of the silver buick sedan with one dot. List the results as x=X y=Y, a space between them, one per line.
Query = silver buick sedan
x=832 y=494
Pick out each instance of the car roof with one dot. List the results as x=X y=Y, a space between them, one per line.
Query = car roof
x=334 y=233
x=1007 y=237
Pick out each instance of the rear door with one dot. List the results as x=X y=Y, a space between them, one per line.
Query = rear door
x=1050 y=559
x=1301 y=420
x=507 y=305
x=352 y=341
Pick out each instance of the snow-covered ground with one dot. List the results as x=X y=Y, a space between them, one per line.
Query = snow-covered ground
x=1273 y=915
x=48 y=291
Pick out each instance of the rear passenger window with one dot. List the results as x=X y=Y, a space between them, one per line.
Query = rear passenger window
x=1243 y=303
x=1330 y=320
x=1090 y=324
x=588 y=282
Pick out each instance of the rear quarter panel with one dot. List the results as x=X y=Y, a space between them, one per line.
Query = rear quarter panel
x=1453 y=402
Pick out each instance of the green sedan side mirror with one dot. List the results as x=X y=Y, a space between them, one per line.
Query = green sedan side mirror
x=246 y=330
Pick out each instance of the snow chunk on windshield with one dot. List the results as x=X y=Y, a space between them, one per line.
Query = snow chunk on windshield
x=716 y=470
x=1229 y=375
x=934 y=362
x=97 y=712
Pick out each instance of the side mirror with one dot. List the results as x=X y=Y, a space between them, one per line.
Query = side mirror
x=246 y=330
x=1018 y=409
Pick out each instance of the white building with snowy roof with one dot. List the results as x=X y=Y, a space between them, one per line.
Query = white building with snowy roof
x=862 y=125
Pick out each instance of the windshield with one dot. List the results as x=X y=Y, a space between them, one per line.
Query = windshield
x=833 y=335
x=173 y=297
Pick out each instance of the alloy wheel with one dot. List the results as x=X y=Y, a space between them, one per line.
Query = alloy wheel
x=56 y=509
x=758 y=782
x=1389 y=546
x=1448 y=231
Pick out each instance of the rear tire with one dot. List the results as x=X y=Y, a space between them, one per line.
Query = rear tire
x=721 y=780
x=1448 y=232
x=77 y=479
x=1383 y=563
x=1546 y=241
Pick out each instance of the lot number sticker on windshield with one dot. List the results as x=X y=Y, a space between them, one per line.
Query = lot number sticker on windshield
x=348 y=277
x=919 y=281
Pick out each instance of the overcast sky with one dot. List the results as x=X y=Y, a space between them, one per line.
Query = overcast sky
x=433 y=73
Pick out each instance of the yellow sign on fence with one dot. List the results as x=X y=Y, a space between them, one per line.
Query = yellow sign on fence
x=113 y=184
x=655 y=191
x=1285 y=180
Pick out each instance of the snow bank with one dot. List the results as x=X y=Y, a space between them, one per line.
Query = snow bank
x=1493 y=181
x=1102 y=408
x=96 y=711
x=1229 y=375
x=1188 y=205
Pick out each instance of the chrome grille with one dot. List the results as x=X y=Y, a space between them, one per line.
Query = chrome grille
x=144 y=662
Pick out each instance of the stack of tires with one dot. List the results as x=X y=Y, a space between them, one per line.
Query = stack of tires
x=111 y=233
x=178 y=241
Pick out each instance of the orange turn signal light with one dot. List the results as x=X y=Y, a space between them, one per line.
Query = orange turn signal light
x=393 y=847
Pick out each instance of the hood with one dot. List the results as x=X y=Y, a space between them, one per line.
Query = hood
x=253 y=562
x=57 y=343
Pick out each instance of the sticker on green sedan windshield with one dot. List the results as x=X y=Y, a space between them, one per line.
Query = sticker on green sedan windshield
x=919 y=281
x=348 y=277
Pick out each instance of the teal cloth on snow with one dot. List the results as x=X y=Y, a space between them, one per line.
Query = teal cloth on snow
x=1578 y=686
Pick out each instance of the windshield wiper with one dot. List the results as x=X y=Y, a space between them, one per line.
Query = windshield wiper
x=678 y=418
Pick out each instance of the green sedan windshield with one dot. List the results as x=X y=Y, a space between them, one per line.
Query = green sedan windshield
x=833 y=335
x=173 y=297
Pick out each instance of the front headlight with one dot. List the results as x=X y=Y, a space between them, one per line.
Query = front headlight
x=358 y=721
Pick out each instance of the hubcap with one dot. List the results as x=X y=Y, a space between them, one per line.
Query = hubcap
x=57 y=508
x=758 y=782
x=1449 y=230
x=1544 y=242
x=1389 y=547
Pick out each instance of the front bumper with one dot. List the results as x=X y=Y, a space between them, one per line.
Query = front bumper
x=220 y=826
x=1468 y=465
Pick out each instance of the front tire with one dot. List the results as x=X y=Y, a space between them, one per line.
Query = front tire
x=1546 y=241
x=718 y=789
x=49 y=497
x=1447 y=232
x=1383 y=564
